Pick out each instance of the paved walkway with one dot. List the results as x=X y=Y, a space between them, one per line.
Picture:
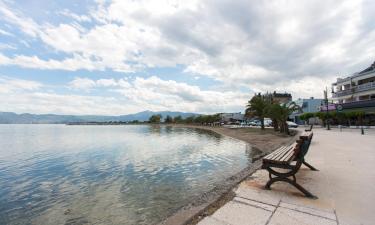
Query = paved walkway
x=344 y=184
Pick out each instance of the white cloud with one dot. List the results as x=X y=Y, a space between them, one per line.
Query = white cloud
x=262 y=46
x=10 y=85
x=5 y=33
x=155 y=93
x=82 y=83
x=127 y=97
x=26 y=24
x=79 y=18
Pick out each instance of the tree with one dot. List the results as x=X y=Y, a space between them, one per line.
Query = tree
x=280 y=114
x=155 y=118
x=306 y=117
x=168 y=119
x=257 y=106
x=189 y=119
x=274 y=112
x=178 y=119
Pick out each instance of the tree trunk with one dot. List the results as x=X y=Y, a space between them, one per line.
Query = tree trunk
x=275 y=125
x=262 y=123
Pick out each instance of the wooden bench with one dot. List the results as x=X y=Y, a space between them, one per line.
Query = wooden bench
x=291 y=159
x=310 y=128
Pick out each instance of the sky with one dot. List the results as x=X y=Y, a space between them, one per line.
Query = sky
x=206 y=56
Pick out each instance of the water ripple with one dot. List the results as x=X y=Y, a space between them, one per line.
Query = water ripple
x=59 y=174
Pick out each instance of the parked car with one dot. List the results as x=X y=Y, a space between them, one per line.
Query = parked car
x=254 y=123
x=268 y=123
x=292 y=124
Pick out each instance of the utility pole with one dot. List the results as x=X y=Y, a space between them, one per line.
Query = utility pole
x=326 y=100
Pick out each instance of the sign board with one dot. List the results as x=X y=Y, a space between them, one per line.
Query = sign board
x=339 y=107
x=331 y=107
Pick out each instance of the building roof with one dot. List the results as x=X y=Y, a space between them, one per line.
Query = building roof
x=371 y=68
x=368 y=70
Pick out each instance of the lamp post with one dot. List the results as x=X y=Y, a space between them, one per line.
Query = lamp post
x=326 y=101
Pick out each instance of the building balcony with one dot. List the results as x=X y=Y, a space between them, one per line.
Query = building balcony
x=355 y=89
x=359 y=104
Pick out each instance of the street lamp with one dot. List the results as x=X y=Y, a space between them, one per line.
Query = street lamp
x=326 y=101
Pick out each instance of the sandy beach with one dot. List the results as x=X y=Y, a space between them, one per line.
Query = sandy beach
x=265 y=141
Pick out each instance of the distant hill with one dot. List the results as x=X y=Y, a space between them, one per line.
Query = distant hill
x=27 y=118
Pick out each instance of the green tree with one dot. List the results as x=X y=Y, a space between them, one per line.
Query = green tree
x=258 y=106
x=168 y=119
x=341 y=117
x=155 y=118
x=178 y=119
x=279 y=113
x=189 y=119
x=306 y=117
x=274 y=112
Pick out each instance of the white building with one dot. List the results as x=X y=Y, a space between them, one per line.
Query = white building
x=357 y=87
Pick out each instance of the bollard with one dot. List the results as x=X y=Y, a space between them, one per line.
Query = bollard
x=362 y=130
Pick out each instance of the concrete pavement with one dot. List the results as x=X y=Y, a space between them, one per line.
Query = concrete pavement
x=344 y=184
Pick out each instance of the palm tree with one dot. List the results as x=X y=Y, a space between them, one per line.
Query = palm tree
x=257 y=106
x=280 y=114
x=286 y=110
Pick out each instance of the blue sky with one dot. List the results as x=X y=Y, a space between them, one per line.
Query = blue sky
x=120 y=57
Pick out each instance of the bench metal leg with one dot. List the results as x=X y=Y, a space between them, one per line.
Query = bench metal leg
x=310 y=166
x=294 y=183
x=281 y=176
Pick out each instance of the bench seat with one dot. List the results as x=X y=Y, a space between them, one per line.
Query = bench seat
x=283 y=155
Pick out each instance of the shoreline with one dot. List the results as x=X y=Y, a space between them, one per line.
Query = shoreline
x=210 y=201
x=265 y=141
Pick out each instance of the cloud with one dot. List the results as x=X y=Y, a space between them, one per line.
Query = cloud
x=299 y=47
x=12 y=16
x=11 y=85
x=5 y=33
x=158 y=94
x=79 y=18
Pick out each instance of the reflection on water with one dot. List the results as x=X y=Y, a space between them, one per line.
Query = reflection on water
x=56 y=174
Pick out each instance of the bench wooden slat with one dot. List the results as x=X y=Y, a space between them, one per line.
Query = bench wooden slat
x=277 y=150
x=274 y=153
x=281 y=155
x=288 y=157
x=277 y=155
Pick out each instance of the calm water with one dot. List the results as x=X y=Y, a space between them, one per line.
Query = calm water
x=57 y=174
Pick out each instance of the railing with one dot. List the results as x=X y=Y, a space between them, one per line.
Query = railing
x=366 y=87
x=355 y=89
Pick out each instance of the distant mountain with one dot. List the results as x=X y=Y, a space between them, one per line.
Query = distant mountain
x=27 y=118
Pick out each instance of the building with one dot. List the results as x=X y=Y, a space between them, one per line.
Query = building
x=357 y=87
x=281 y=98
x=229 y=118
x=355 y=92
x=309 y=105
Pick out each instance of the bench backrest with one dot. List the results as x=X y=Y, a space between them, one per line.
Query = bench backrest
x=310 y=128
x=305 y=138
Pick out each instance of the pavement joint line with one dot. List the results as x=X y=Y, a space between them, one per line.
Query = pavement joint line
x=337 y=219
x=309 y=207
x=295 y=219
x=307 y=213
x=251 y=205
x=258 y=201
x=273 y=213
